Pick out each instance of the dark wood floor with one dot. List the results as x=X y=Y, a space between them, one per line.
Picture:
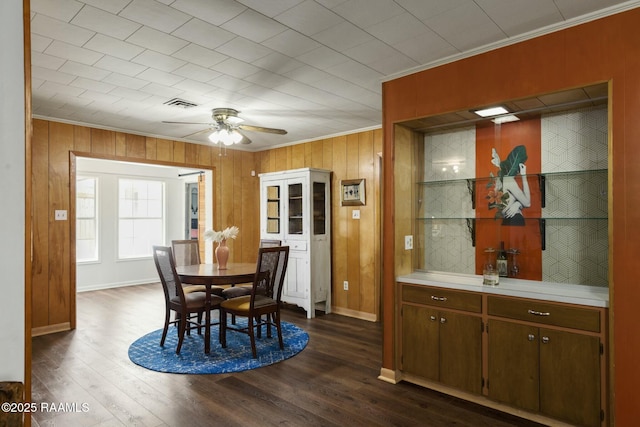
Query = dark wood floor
x=333 y=382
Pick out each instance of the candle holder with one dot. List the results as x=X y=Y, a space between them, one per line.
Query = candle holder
x=490 y=275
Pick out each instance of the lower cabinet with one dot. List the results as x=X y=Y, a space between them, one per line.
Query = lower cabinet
x=555 y=372
x=541 y=357
x=444 y=345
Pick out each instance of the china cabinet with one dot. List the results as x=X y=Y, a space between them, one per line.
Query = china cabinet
x=295 y=209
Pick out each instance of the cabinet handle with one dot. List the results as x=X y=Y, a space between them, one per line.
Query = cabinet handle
x=433 y=318
x=531 y=337
x=539 y=313
x=443 y=320
x=435 y=298
x=545 y=340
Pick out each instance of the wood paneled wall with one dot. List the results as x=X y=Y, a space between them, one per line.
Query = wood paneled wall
x=355 y=249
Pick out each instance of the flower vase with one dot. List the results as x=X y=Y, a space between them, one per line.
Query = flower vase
x=222 y=255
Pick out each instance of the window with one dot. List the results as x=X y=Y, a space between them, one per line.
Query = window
x=86 y=219
x=140 y=217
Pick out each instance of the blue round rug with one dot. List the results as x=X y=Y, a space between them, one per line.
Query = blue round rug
x=146 y=351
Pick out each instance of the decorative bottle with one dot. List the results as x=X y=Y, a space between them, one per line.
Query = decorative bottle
x=501 y=262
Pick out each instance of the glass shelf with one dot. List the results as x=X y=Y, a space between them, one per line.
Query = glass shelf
x=549 y=175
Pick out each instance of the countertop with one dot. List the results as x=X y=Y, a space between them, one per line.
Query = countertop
x=594 y=296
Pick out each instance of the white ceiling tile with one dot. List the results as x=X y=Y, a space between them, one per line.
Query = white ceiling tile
x=99 y=97
x=244 y=49
x=254 y=26
x=266 y=79
x=73 y=101
x=331 y=3
x=193 y=86
x=154 y=15
x=51 y=75
x=82 y=70
x=323 y=58
x=113 y=47
x=62 y=31
x=73 y=53
x=424 y=10
x=291 y=43
x=113 y=6
x=51 y=87
x=63 y=10
x=117 y=65
x=46 y=61
x=306 y=74
x=153 y=39
x=343 y=36
x=216 y=12
x=39 y=43
x=398 y=28
x=571 y=8
x=525 y=15
x=162 y=91
x=365 y=13
x=235 y=68
x=92 y=85
x=203 y=33
x=158 y=61
x=479 y=28
x=270 y=8
x=392 y=63
x=160 y=77
x=133 y=95
x=200 y=55
x=309 y=18
x=103 y=22
x=355 y=72
x=229 y=83
x=426 y=48
x=124 y=81
x=196 y=72
x=277 y=63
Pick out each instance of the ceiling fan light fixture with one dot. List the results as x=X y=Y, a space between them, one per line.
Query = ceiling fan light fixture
x=214 y=137
x=236 y=136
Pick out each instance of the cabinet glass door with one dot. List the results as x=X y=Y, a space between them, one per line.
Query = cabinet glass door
x=319 y=208
x=273 y=209
x=295 y=209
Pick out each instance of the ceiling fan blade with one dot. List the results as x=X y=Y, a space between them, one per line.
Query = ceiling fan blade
x=199 y=132
x=262 y=129
x=190 y=123
x=245 y=140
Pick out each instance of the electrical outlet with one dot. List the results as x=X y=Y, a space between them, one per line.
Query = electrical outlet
x=408 y=242
x=345 y=285
x=60 y=215
x=355 y=214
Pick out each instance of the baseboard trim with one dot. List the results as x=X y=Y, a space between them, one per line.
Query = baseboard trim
x=50 y=329
x=483 y=401
x=389 y=376
x=102 y=286
x=356 y=314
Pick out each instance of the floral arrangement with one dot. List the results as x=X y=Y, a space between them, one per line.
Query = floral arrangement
x=219 y=236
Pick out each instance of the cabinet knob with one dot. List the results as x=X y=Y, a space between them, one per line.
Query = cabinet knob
x=531 y=337
x=545 y=340
x=433 y=318
x=443 y=320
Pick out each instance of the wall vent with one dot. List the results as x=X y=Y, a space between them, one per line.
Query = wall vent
x=182 y=103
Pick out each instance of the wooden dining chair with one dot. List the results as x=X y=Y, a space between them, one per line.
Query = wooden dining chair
x=238 y=291
x=187 y=252
x=260 y=308
x=183 y=304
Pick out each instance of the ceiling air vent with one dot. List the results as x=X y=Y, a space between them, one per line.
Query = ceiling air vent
x=182 y=103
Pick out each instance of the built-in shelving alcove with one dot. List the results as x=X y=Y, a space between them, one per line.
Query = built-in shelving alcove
x=538 y=185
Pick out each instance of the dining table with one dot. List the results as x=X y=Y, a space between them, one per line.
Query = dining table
x=210 y=275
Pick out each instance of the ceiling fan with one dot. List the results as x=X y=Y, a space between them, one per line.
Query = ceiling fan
x=226 y=127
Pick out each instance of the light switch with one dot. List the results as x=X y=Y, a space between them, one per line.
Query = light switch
x=355 y=214
x=60 y=215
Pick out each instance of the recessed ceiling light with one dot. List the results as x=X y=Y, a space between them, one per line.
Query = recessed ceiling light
x=505 y=119
x=493 y=111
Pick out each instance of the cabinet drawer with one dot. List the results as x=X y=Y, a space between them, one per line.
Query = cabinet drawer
x=546 y=313
x=445 y=298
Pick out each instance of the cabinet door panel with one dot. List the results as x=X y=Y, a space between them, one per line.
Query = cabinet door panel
x=461 y=351
x=296 y=280
x=570 y=377
x=420 y=336
x=514 y=364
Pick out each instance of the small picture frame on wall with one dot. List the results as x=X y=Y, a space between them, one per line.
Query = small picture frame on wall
x=352 y=192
